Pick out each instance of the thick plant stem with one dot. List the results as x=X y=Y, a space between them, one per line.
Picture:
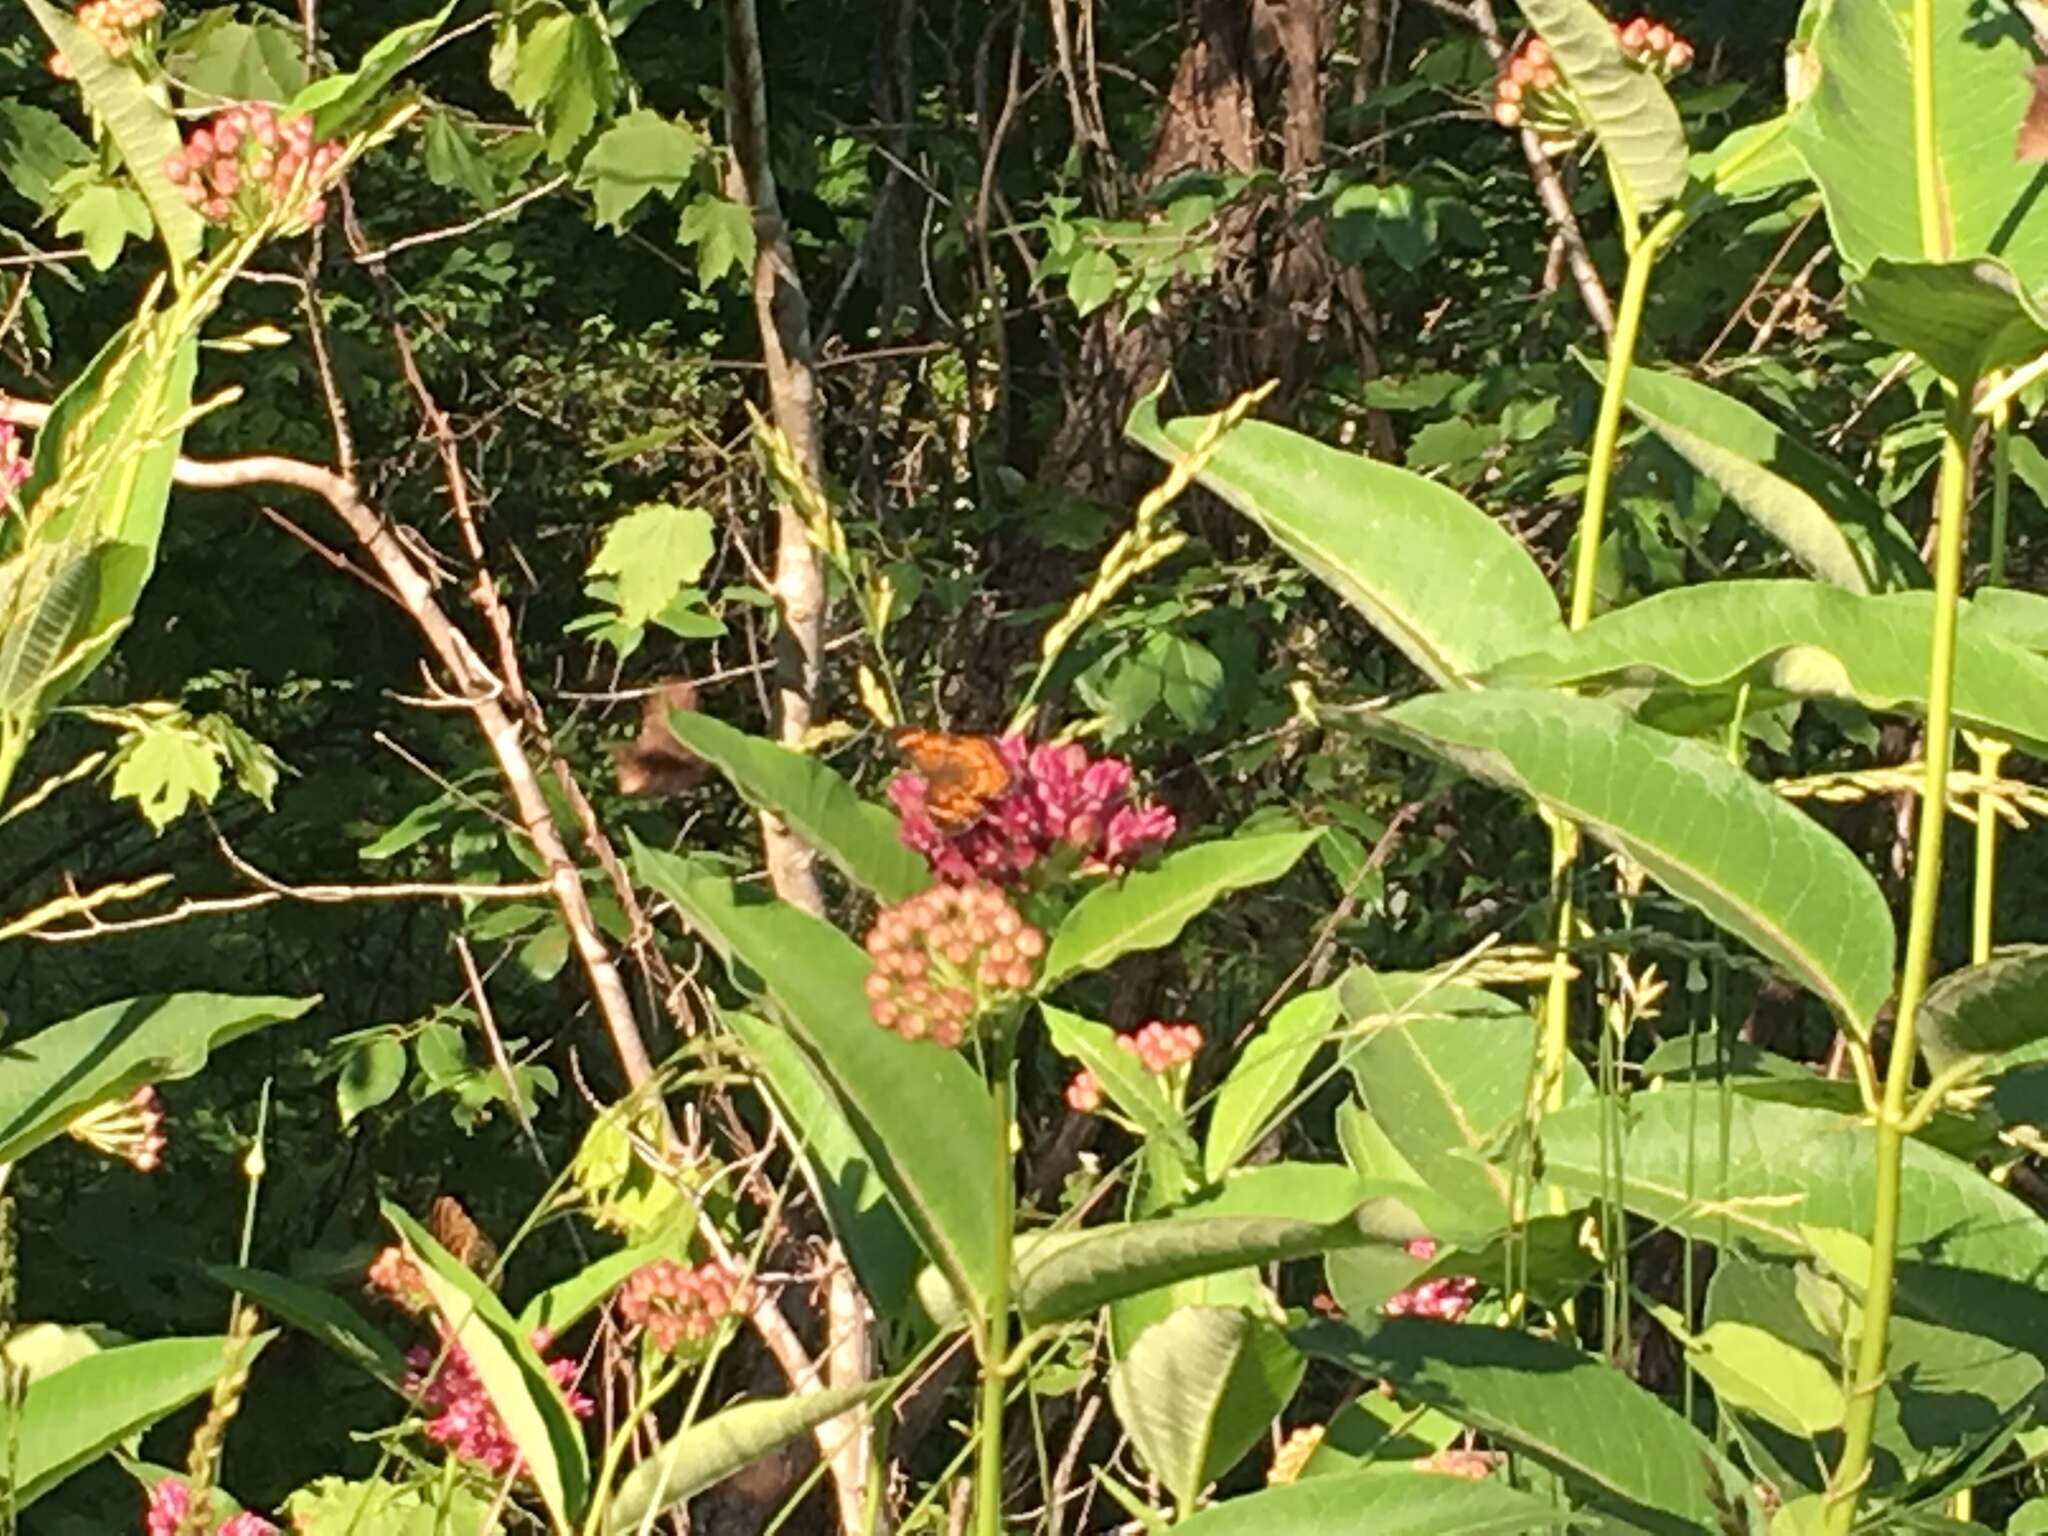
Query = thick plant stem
x=995 y=1339
x=1846 y=1487
x=1991 y=754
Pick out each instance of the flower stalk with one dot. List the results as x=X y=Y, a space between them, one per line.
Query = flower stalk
x=995 y=1329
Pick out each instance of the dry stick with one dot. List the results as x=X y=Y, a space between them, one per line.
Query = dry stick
x=1549 y=185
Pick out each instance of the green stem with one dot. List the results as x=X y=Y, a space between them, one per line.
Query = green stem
x=1564 y=849
x=995 y=1335
x=1991 y=754
x=1953 y=497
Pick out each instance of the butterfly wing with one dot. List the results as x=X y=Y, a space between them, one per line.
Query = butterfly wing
x=2032 y=145
x=962 y=774
x=451 y=1226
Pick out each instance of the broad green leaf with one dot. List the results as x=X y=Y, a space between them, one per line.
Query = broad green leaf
x=1703 y=829
x=642 y=153
x=921 y=1111
x=863 y=839
x=560 y=1306
x=1444 y=582
x=339 y=102
x=712 y=1451
x=1808 y=503
x=528 y=1401
x=332 y=1506
x=1751 y=162
x=1972 y=1255
x=1756 y=1371
x=1965 y=318
x=51 y=1077
x=1376 y=1427
x=558 y=67
x=102 y=219
x=46 y=597
x=1125 y=1082
x=238 y=61
x=1071 y=1274
x=140 y=126
x=1092 y=280
x=1198 y=1390
x=163 y=769
x=1800 y=638
x=1387 y=1501
x=1557 y=1405
x=651 y=554
x=372 y=1071
x=1987 y=1009
x=37 y=151
x=1264 y=1078
x=321 y=1315
x=723 y=233
x=455 y=157
x=836 y=1162
x=1855 y=131
x=1628 y=108
x=73 y=1416
x=1442 y=1090
x=1149 y=908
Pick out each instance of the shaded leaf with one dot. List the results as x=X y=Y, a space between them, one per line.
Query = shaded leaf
x=1628 y=108
x=1986 y=1009
x=1388 y=1501
x=1264 y=1078
x=320 y=1315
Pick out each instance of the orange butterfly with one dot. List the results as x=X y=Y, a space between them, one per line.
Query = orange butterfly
x=964 y=774
x=452 y=1227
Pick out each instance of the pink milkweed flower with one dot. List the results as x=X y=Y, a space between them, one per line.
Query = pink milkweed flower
x=165 y=1511
x=1447 y=1298
x=464 y=1419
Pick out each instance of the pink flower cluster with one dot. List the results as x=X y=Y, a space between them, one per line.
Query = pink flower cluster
x=113 y=24
x=945 y=957
x=1160 y=1048
x=247 y=162
x=1059 y=801
x=1447 y=1298
x=464 y=1419
x=393 y=1274
x=130 y=1129
x=13 y=462
x=1531 y=93
x=679 y=1305
x=170 y=1498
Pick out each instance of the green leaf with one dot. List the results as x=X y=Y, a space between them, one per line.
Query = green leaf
x=140 y=126
x=372 y=1071
x=71 y=1417
x=1091 y=280
x=837 y=1164
x=331 y=1506
x=164 y=769
x=1125 y=1082
x=558 y=67
x=320 y=1315
x=455 y=158
x=1149 y=908
x=53 y=1076
x=712 y=1451
x=642 y=152
x=1808 y=503
x=1264 y=1078
x=1757 y=1372
x=1628 y=108
x=1751 y=162
x=1388 y=1501
x=1855 y=131
x=1444 y=582
x=1971 y=1254
x=1987 y=1009
x=37 y=151
x=45 y=602
x=1070 y=1274
x=102 y=218
x=1804 y=639
x=559 y=1307
x=922 y=1112
x=723 y=233
x=1555 y=1404
x=528 y=1401
x=1442 y=1089
x=340 y=102
x=1709 y=834
x=1965 y=318
x=862 y=839
x=652 y=553
x=235 y=61
x=1197 y=1391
